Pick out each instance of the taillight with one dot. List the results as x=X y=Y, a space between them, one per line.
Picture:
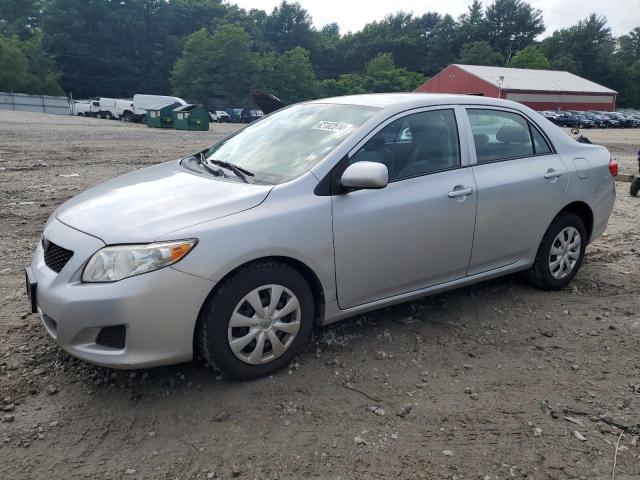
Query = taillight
x=613 y=167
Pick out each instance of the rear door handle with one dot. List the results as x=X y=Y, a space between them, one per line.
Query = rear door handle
x=552 y=173
x=462 y=192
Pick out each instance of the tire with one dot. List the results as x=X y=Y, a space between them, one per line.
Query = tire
x=214 y=334
x=635 y=186
x=108 y=116
x=540 y=274
x=80 y=114
x=127 y=117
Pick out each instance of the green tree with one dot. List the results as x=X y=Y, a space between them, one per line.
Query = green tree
x=383 y=75
x=19 y=17
x=530 y=57
x=289 y=26
x=629 y=47
x=380 y=75
x=473 y=24
x=289 y=76
x=25 y=67
x=443 y=44
x=512 y=25
x=221 y=65
x=480 y=53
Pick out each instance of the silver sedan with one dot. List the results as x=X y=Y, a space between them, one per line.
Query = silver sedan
x=317 y=212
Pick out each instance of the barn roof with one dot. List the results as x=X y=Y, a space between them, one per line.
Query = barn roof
x=535 y=80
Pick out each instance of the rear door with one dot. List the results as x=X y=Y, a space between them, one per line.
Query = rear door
x=520 y=181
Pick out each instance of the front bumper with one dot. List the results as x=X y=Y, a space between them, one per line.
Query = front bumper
x=158 y=309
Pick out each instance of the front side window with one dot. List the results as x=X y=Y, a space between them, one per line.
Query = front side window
x=500 y=135
x=289 y=142
x=414 y=145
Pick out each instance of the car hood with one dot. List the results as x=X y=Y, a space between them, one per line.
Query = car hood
x=147 y=204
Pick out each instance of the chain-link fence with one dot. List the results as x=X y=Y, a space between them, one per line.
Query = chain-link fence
x=34 y=103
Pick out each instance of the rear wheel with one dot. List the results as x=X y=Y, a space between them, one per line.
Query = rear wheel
x=256 y=321
x=108 y=116
x=127 y=117
x=560 y=253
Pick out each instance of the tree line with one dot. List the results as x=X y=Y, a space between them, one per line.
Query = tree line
x=207 y=50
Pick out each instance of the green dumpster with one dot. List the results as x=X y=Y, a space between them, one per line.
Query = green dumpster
x=160 y=116
x=190 y=117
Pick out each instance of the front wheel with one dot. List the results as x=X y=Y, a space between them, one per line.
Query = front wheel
x=560 y=253
x=256 y=321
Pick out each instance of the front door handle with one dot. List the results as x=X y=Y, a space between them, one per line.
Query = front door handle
x=551 y=173
x=460 y=192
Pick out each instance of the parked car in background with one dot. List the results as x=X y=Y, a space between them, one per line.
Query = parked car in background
x=320 y=211
x=636 y=117
x=250 y=115
x=551 y=116
x=567 y=119
x=622 y=119
x=141 y=102
x=599 y=121
x=124 y=110
x=81 y=108
x=107 y=108
x=222 y=116
x=584 y=121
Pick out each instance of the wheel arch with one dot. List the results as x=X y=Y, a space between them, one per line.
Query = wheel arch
x=584 y=211
x=307 y=272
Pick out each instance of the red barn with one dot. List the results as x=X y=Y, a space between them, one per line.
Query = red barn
x=538 y=89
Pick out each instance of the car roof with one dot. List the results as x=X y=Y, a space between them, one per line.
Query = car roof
x=414 y=100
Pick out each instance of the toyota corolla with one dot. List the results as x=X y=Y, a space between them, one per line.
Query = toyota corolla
x=317 y=212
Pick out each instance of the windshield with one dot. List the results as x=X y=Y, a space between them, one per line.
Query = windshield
x=289 y=142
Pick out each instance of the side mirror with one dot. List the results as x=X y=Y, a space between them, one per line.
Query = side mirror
x=365 y=175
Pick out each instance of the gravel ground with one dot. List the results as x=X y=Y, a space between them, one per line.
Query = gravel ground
x=494 y=381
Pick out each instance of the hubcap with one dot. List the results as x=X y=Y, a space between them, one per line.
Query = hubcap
x=565 y=252
x=264 y=324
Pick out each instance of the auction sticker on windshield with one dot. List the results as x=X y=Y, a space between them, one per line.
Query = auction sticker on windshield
x=332 y=126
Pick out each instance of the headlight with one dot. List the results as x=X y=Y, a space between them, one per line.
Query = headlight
x=121 y=261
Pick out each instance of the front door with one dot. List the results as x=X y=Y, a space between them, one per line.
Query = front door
x=417 y=231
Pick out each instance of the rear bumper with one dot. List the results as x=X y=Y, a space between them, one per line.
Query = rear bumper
x=158 y=310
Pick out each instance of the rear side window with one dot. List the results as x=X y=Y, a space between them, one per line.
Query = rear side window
x=540 y=145
x=500 y=135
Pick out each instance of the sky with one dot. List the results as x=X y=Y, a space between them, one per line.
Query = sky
x=352 y=15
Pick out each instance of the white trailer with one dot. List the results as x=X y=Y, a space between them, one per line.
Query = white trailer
x=142 y=102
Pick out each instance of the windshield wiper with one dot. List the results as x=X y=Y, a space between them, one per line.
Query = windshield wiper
x=239 y=171
x=216 y=171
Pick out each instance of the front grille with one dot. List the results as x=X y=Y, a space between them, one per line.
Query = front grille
x=112 y=337
x=55 y=257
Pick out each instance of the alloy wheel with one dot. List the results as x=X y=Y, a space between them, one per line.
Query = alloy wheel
x=565 y=252
x=264 y=324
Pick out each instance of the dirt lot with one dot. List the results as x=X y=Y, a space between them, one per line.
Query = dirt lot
x=491 y=381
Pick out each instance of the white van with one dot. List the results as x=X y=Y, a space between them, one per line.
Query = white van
x=124 y=110
x=81 y=109
x=107 y=108
x=141 y=102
